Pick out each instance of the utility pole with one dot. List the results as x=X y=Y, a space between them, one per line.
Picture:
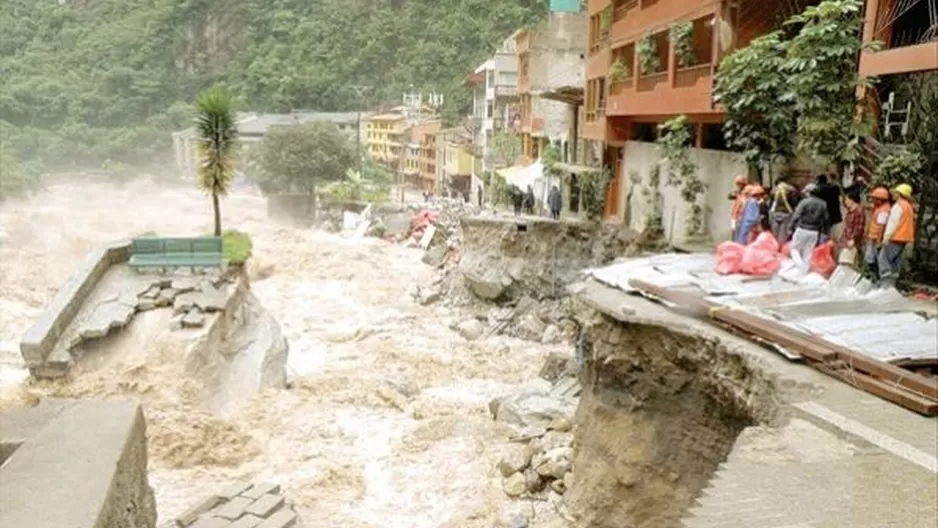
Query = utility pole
x=360 y=90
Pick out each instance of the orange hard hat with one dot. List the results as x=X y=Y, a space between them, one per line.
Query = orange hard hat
x=880 y=193
x=741 y=180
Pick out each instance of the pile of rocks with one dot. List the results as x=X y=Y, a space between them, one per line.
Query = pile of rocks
x=190 y=298
x=539 y=458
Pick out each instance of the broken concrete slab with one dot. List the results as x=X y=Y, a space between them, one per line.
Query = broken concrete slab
x=193 y=319
x=209 y=299
x=166 y=297
x=108 y=316
x=243 y=505
x=185 y=284
x=435 y=256
x=151 y=292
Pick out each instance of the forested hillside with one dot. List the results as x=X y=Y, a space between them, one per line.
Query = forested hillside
x=86 y=81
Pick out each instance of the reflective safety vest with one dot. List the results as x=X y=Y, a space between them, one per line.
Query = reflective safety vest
x=877 y=225
x=905 y=233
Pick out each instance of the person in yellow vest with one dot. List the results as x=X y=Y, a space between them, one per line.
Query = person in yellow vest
x=899 y=233
x=881 y=204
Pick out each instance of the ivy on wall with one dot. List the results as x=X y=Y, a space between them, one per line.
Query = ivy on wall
x=682 y=37
x=648 y=60
x=674 y=147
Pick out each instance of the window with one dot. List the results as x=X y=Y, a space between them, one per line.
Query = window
x=490 y=78
x=489 y=110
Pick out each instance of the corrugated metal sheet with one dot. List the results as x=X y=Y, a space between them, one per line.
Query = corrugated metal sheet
x=846 y=310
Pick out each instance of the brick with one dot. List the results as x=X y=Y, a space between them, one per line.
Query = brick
x=233 y=509
x=248 y=521
x=265 y=505
x=192 y=514
x=259 y=490
x=234 y=490
x=211 y=522
x=281 y=519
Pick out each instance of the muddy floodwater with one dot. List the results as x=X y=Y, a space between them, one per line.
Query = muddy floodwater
x=340 y=441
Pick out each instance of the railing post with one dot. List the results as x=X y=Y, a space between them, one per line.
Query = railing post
x=672 y=62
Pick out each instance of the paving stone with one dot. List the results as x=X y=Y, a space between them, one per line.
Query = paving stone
x=193 y=513
x=233 y=509
x=259 y=490
x=234 y=490
x=248 y=521
x=281 y=519
x=211 y=522
x=265 y=505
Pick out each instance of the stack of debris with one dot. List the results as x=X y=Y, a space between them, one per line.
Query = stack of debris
x=242 y=505
x=190 y=297
x=538 y=461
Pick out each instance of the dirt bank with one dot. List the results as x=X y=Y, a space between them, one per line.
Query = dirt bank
x=661 y=408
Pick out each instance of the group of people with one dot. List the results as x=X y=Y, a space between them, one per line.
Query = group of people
x=524 y=201
x=822 y=211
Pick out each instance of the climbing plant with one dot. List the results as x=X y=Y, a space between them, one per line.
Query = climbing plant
x=594 y=185
x=752 y=88
x=821 y=74
x=550 y=157
x=619 y=71
x=901 y=165
x=648 y=60
x=605 y=20
x=674 y=147
x=652 y=194
x=682 y=38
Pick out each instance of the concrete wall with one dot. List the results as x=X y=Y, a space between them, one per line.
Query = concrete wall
x=42 y=336
x=79 y=464
x=715 y=168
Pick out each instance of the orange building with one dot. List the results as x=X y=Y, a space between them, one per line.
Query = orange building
x=419 y=167
x=907 y=31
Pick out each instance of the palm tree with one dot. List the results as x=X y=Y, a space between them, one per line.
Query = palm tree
x=218 y=134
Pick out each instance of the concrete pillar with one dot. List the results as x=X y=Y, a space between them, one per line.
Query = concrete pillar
x=672 y=63
x=700 y=135
x=869 y=21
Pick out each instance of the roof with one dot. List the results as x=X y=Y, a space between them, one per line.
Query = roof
x=386 y=117
x=565 y=94
x=256 y=123
x=576 y=169
x=485 y=66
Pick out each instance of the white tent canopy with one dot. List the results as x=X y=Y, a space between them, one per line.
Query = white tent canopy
x=532 y=175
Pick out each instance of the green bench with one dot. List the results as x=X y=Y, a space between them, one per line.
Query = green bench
x=152 y=252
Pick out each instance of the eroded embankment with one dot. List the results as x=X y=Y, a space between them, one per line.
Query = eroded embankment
x=661 y=408
x=505 y=259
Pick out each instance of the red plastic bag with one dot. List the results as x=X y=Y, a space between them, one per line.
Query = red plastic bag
x=758 y=261
x=765 y=241
x=822 y=260
x=729 y=258
x=786 y=250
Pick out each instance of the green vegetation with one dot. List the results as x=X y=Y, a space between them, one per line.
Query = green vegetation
x=84 y=82
x=674 y=144
x=802 y=87
x=236 y=247
x=217 y=141
x=357 y=186
x=301 y=159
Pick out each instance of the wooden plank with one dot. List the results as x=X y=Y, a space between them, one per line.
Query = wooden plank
x=886 y=391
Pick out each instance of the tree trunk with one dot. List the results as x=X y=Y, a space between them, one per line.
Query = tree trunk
x=217 y=212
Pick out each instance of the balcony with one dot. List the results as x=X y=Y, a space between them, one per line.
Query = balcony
x=506 y=91
x=653 y=95
x=905 y=59
x=636 y=20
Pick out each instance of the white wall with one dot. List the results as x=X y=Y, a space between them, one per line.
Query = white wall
x=558 y=119
x=716 y=169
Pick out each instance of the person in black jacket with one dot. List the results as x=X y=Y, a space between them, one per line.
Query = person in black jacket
x=831 y=194
x=810 y=221
x=555 y=201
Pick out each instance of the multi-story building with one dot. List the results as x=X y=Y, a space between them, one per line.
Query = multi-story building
x=909 y=36
x=494 y=100
x=550 y=56
x=386 y=138
x=460 y=162
x=419 y=167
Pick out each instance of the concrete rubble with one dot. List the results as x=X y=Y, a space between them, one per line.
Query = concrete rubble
x=538 y=462
x=241 y=505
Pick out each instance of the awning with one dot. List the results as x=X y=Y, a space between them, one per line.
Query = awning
x=572 y=95
x=521 y=176
x=576 y=169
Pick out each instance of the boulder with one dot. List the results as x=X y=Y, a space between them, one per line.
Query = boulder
x=531 y=409
x=533 y=482
x=471 y=329
x=514 y=485
x=558 y=486
x=515 y=459
x=488 y=287
x=551 y=335
x=435 y=256
x=560 y=424
x=193 y=319
x=554 y=464
x=552 y=440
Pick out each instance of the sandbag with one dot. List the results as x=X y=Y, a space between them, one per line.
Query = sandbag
x=758 y=261
x=765 y=241
x=729 y=258
x=822 y=260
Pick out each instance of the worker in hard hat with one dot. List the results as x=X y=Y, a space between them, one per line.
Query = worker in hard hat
x=739 y=201
x=881 y=204
x=752 y=214
x=899 y=233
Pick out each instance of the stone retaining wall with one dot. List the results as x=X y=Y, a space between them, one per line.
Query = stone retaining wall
x=42 y=336
x=77 y=464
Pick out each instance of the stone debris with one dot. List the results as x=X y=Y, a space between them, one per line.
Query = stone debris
x=193 y=319
x=541 y=453
x=241 y=505
x=471 y=329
